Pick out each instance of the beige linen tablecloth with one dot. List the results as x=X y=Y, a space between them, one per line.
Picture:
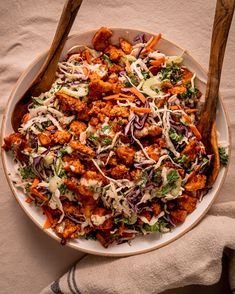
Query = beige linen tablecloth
x=29 y=259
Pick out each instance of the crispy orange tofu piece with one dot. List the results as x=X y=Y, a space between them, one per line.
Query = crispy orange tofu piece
x=177 y=90
x=101 y=39
x=187 y=203
x=114 y=53
x=119 y=172
x=69 y=103
x=178 y=216
x=77 y=127
x=126 y=154
x=125 y=45
x=61 y=137
x=45 y=138
x=81 y=148
x=156 y=208
x=196 y=183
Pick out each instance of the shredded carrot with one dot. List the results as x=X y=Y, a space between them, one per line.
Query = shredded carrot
x=160 y=103
x=35 y=183
x=141 y=109
x=28 y=200
x=111 y=97
x=35 y=192
x=158 y=62
x=152 y=43
x=196 y=132
x=192 y=110
x=187 y=118
x=137 y=94
x=26 y=118
x=88 y=56
x=85 y=71
x=128 y=66
x=175 y=107
x=49 y=221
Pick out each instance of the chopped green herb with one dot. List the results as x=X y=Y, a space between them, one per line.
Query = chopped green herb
x=143 y=180
x=153 y=228
x=172 y=177
x=37 y=101
x=182 y=159
x=105 y=128
x=27 y=187
x=171 y=73
x=145 y=75
x=107 y=59
x=223 y=156
x=121 y=220
x=106 y=141
x=92 y=137
x=174 y=135
x=63 y=189
x=190 y=92
x=27 y=172
x=157 y=177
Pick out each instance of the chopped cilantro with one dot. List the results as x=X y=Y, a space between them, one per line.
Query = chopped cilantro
x=63 y=189
x=223 y=156
x=92 y=137
x=142 y=181
x=190 y=92
x=107 y=59
x=182 y=159
x=145 y=75
x=133 y=79
x=105 y=128
x=174 y=135
x=106 y=141
x=172 y=177
x=37 y=101
x=27 y=172
x=27 y=187
x=157 y=177
x=153 y=228
x=171 y=73
x=121 y=220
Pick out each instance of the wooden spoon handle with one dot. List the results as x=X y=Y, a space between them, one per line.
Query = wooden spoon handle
x=222 y=21
x=46 y=75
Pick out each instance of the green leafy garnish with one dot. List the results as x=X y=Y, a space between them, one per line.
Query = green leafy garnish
x=107 y=59
x=27 y=172
x=37 y=101
x=174 y=135
x=153 y=228
x=171 y=72
x=142 y=181
x=145 y=75
x=105 y=128
x=223 y=156
x=157 y=177
x=172 y=177
x=182 y=159
x=190 y=92
x=92 y=137
x=106 y=141
x=63 y=189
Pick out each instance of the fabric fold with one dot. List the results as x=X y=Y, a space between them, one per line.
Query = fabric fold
x=195 y=258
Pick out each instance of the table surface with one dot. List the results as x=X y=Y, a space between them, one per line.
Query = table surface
x=29 y=258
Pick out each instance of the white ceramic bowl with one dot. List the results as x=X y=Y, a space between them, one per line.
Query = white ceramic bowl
x=140 y=244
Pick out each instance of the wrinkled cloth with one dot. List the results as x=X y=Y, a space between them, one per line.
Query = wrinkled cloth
x=193 y=259
x=30 y=259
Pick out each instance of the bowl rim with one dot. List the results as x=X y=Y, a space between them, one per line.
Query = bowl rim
x=52 y=234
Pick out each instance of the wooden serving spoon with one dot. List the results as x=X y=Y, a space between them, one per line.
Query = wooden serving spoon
x=46 y=75
x=222 y=21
